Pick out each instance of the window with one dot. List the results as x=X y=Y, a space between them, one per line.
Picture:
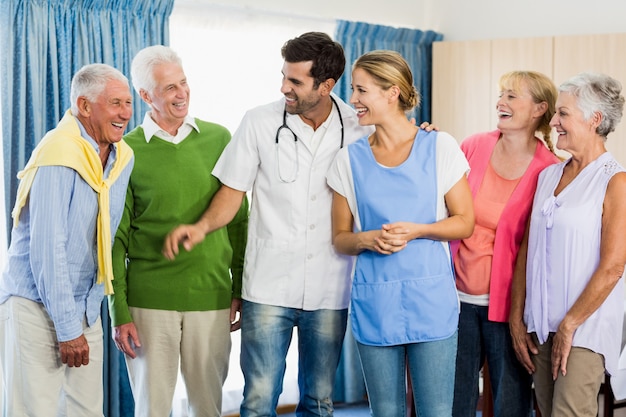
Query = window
x=231 y=56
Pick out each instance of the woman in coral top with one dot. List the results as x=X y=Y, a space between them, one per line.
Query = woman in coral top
x=504 y=167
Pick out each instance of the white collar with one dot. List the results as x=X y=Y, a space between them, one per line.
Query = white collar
x=151 y=128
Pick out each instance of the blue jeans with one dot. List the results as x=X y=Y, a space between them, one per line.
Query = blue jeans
x=265 y=337
x=510 y=383
x=431 y=366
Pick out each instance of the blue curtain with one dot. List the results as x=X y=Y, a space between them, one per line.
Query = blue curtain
x=414 y=45
x=43 y=43
x=349 y=383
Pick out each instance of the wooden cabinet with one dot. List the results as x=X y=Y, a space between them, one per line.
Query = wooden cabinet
x=466 y=74
x=517 y=54
x=461 y=86
x=599 y=53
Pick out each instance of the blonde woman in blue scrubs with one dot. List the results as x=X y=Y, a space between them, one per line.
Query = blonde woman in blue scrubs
x=400 y=195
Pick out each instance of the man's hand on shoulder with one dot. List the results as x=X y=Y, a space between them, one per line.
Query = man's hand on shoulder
x=75 y=352
x=427 y=126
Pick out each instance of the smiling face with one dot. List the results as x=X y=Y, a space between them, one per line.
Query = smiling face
x=298 y=87
x=106 y=118
x=517 y=110
x=368 y=98
x=170 y=98
x=571 y=127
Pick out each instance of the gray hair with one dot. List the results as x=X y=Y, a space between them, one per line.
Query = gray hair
x=90 y=82
x=597 y=93
x=142 y=67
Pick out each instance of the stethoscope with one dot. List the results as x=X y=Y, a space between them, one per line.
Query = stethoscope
x=294 y=173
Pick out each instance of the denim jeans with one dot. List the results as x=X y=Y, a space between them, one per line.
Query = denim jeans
x=510 y=383
x=431 y=366
x=265 y=337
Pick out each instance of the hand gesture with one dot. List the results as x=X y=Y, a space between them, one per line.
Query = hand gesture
x=235 y=314
x=126 y=339
x=427 y=126
x=75 y=352
x=393 y=238
x=561 y=348
x=523 y=344
x=187 y=234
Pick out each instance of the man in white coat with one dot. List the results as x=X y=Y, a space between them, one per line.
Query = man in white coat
x=292 y=275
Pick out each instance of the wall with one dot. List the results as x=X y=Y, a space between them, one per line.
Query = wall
x=462 y=19
x=399 y=13
x=466 y=74
x=491 y=19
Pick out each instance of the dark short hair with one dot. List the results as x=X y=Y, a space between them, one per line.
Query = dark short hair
x=327 y=55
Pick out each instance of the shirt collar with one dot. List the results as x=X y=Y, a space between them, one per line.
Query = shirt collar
x=151 y=128
x=92 y=141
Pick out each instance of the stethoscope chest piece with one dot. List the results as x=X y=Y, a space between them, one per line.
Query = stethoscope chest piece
x=283 y=132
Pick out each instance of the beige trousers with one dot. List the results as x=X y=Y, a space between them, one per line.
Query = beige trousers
x=37 y=384
x=572 y=395
x=201 y=339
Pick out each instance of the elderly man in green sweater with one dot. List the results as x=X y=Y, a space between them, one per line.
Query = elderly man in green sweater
x=165 y=311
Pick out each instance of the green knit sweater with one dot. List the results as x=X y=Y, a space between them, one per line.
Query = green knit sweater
x=171 y=184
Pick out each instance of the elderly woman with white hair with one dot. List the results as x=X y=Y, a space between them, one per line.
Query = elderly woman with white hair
x=568 y=291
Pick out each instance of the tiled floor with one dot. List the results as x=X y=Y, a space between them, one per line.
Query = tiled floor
x=356 y=410
x=361 y=410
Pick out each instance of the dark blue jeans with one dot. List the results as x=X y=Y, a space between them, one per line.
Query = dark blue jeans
x=510 y=383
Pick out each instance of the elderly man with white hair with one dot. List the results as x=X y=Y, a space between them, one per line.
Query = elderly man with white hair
x=69 y=203
x=182 y=311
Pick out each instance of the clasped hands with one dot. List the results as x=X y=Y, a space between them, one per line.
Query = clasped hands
x=392 y=238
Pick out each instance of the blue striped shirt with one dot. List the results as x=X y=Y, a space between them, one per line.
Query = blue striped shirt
x=53 y=257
